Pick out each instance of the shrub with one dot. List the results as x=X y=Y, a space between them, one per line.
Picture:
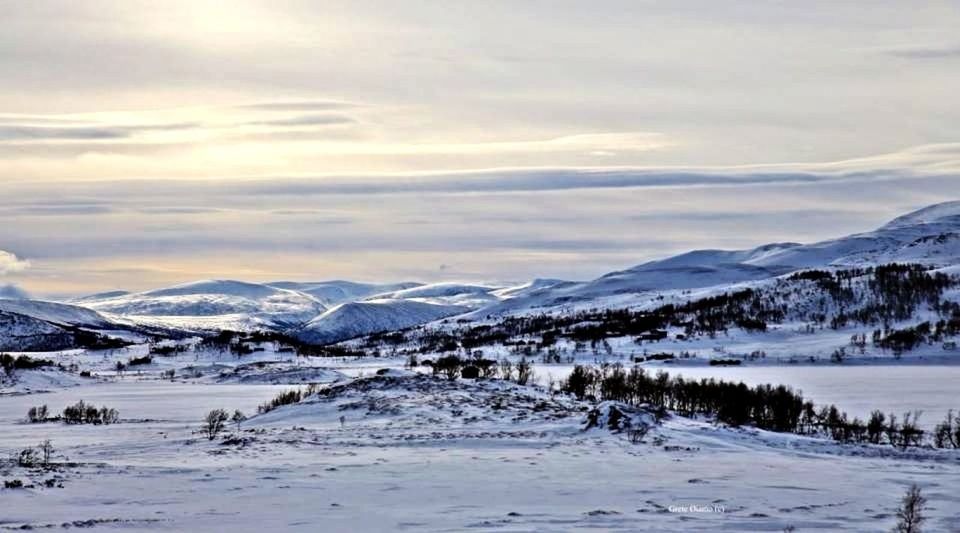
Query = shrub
x=947 y=433
x=725 y=362
x=448 y=366
x=636 y=434
x=27 y=457
x=166 y=351
x=135 y=361
x=662 y=356
x=35 y=415
x=470 y=372
x=109 y=415
x=910 y=514
x=238 y=418
x=287 y=397
x=488 y=367
x=579 y=381
x=13 y=484
x=46 y=450
x=213 y=423
x=11 y=364
x=524 y=371
x=7 y=364
x=506 y=369
x=82 y=413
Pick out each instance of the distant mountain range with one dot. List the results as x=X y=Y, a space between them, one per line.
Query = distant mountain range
x=331 y=311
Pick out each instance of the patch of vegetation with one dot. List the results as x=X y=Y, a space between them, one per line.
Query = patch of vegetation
x=774 y=408
x=83 y=413
x=137 y=361
x=287 y=397
x=214 y=423
x=36 y=415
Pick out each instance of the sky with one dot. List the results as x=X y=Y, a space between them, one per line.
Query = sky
x=144 y=144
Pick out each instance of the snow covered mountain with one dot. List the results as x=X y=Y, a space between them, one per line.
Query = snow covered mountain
x=36 y=325
x=338 y=291
x=356 y=319
x=329 y=311
x=213 y=304
x=460 y=294
x=57 y=313
x=929 y=236
x=25 y=333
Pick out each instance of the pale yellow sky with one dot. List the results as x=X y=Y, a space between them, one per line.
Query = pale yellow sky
x=145 y=143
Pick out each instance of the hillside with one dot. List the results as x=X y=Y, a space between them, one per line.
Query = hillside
x=336 y=292
x=929 y=236
x=355 y=319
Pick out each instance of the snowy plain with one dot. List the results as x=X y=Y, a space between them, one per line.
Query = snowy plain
x=443 y=459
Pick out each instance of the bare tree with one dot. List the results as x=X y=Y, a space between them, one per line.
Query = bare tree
x=524 y=371
x=238 y=418
x=46 y=449
x=36 y=415
x=910 y=514
x=506 y=369
x=9 y=365
x=636 y=434
x=214 y=422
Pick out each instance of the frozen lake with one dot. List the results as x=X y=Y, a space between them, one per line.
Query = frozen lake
x=169 y=407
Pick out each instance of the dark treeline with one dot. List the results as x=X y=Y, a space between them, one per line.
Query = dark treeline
x=287 y=397
x=84 y=413
x=774 y=408
x=10 y=363
x=242 y=343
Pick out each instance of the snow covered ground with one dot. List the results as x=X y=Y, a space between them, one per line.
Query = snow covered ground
x=418 y=453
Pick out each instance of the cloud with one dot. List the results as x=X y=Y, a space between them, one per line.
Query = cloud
x=27 y=132
x=925 y=52
x=41 y=133
x=58 y=209
x=178 y=210
x=519 y=180
x=11 y=263
x=306 y=105
x=305 y=120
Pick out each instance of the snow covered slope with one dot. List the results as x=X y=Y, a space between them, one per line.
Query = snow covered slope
x=338 y=291
x=214 y=303
x=26 y=333
x=355 y=319
x=99 y=296
x=57 y=313
x=928 y=236
x=462 y=294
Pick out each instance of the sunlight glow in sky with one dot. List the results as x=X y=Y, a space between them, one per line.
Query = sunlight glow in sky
x=148 y=143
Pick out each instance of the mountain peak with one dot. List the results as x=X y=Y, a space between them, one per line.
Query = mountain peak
x=928 y=215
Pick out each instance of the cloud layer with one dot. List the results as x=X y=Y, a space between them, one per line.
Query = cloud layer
x=146 y=143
